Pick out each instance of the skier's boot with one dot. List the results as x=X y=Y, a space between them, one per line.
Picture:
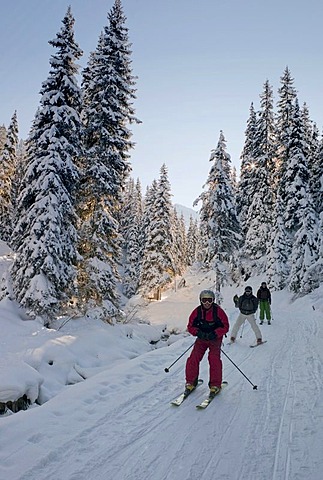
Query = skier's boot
x=214 y=390
x=189 y=387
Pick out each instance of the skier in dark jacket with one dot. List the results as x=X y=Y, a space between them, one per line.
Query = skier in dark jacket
x=264 y=298
x=208 y=322
x=247 y=305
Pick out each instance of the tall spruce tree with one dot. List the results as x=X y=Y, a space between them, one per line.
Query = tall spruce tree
x=246 y=186
x=131 y=222
x=158 y=265
x=316 y=177
x=19 y=173
x=294 y=204
x=108 y=87
x=258 y=221
x=8 y=167
x=277 y=267
x=3 y=137
x=150 y=272
x=45 y=235
x=179 y=242
x=192 y=241
x=299 y=216
x=305 y=254
x=220 y=229
x=294 y=184
x=284 y=122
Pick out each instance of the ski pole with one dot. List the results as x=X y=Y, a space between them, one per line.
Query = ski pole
x=170 y=366
x=242 y=329
x=254 y=386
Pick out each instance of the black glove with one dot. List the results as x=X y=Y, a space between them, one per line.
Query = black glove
x=206 y=335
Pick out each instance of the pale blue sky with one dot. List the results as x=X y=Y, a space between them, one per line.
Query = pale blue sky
x=199 y=64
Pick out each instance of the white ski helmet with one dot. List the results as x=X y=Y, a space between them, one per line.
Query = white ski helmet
x=207 y=294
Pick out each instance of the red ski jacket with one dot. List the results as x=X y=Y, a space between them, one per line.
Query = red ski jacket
x=221 y=326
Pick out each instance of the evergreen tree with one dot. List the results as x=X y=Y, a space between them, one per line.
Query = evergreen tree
x=258 y=221
x=149 y=274
x=234 y=181
x=179 y=243
x=158 y=265
x=316 y=177
x=246 y=186
x=305 y=254
x=3 y=137
x=192 y=241
x=8 y=166
x=19 y=173
x=266 y=133
x=277 y=269
x=108 y=93
x=310 y=135
x=285 y=107
x=293 y=203
x=294 y=182
x=220 y=229
x=315 y=270
x=45 y=236
x=131 y=222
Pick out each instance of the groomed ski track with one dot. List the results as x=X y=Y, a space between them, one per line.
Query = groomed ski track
x=273 y=433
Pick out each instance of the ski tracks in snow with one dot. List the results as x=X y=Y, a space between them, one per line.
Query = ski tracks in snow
x=273 y=433
x=288 y=414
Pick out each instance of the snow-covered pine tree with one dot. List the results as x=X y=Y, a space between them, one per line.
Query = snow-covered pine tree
x=158 y=266
x=234 y=181
x=294 y=183
x=43 y=271
x=277 y=267
x=315 y=270
x=108 y=87
x=284 y=122
x=294 y=203
x=258 y=221
x=192 y=241
x=19 y=173
x=311 y=152
x=305 y=254
x=310 y=134
x=3 y=137
x=8 y=166
x=300 y=217
x=179 y=242
x=141 y=232
x=246 y=186
x=149 y=274
x=220 y=229
x=316 y=177
x=131 y=223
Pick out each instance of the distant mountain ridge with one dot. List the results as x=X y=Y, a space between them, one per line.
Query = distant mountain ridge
x=187 y=213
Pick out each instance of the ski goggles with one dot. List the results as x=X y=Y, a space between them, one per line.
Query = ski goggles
x=206 y=300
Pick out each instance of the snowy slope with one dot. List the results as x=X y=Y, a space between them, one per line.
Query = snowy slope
x=119 y=425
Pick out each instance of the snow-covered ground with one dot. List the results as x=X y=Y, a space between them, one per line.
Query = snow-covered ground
x=118 y=424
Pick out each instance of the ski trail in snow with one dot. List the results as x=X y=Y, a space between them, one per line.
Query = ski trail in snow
x=125 y=428
x=285 y=430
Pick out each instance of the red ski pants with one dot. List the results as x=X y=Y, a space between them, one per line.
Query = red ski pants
x=215 y=362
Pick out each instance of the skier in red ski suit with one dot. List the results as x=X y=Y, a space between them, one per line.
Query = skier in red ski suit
x=208 y=322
